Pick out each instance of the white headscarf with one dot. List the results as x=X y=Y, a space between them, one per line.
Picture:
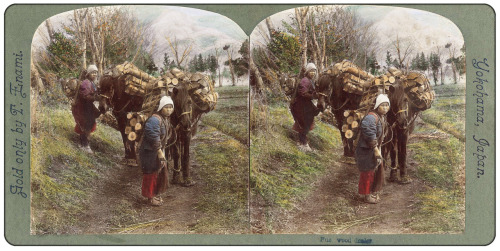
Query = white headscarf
x=381 y=98
x=310 y=66
x=91 y=68
x=165 y=100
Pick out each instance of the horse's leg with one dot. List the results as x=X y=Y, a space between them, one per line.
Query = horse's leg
x=186 y=172
x=392 y=151
x=402 y=142
x=122 y=123
x=176 y=178
x=338 y=118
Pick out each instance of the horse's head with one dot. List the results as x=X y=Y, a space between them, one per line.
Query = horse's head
x=400 y=105
x=106 y=90
x=182 y=107
x=324 y=89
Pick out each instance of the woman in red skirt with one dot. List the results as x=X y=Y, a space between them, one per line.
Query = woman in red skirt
x=367 y=153
x=151 y=152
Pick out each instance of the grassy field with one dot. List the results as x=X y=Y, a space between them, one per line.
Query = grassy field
x=279 y=172
x=223 y=160
x=231 y=113
x=448 y=110
x=61 y=174
x=441 y=163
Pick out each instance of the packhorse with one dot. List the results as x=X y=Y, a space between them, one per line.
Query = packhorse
x=121 y=103
x=329 y=89
x=401 y=119
x=187 y=113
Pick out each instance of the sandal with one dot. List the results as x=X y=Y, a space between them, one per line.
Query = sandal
x=155 y=201
x=372 y=199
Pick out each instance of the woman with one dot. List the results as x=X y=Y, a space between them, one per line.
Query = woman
x=302 y=107
x=368 y=156
x=151 y=152
x=84 y=110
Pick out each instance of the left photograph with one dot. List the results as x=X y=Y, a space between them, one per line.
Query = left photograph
x=139 y=122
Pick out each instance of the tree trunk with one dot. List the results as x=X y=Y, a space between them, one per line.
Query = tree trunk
x=231 y=68
x=442 y=75
x=255 y=72
x=300 y=15
x=50 y=30
x=270 y=26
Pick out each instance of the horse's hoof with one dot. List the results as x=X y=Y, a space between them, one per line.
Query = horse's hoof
x=394 y=177
x=405 y=180
x=189 y=183
x=132 y=162
x=177 y=180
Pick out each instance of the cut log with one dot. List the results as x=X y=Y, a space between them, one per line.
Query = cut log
x=347 y=113
x=133 y=121
x=129 y=115
x=175 y=81
x=348 y=134
x=168 y=80
x=138 y=127
x=345 y=127
x=128 y=129
x=132 y=136
x=392 y=79
x=169 y=75
x=350 y=119
x=354 y=124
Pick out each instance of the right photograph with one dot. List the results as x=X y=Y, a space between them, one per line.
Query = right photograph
x=357 y=122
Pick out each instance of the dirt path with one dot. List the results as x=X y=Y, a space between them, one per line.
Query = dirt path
x=335 y=193
x=117 y=205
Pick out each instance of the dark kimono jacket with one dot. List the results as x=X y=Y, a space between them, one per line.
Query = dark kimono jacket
x=370 y=131
x=154 y=138
x=84 y=110
x=302 y=107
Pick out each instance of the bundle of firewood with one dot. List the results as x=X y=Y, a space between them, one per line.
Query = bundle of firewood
x=354 y=78
x=137 y=82
x=419 y=90
x=204 y=95
x=288 y=84
x=70 y=86
x=135 y=125
x=352 y=122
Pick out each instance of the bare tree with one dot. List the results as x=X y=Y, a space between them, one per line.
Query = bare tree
x=301 y=19
x=80 y=31
x=451 y=60
x=230 y=51
x=403 y=48
x=217 y=57
x=180 y=54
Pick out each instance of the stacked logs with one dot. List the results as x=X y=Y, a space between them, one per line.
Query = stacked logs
x=352 y=122
x=70 y=86
x=137 y=82
x=135 y=125
x=288 y=84
x=419 y=90
x=355 y=80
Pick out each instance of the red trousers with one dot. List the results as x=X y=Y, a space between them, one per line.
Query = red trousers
x=149 y=185
x=365 y=182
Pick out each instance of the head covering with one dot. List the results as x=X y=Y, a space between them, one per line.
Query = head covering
x=381 y=98
x=165 y=100
x=310 y=66
x=91 y=68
